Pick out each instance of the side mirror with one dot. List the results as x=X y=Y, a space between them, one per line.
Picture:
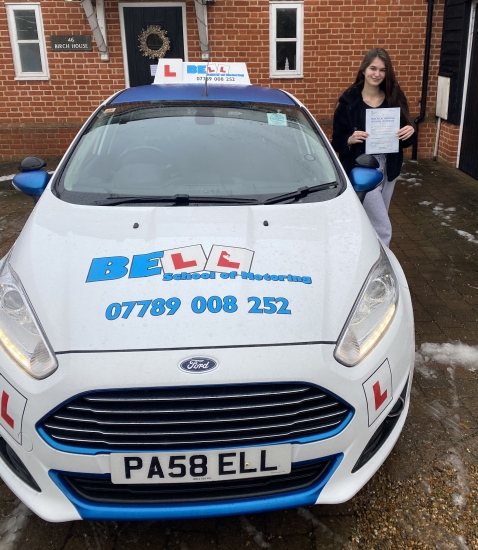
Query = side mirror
x=31 y=163
x=367 y=161
x=365 y=177
x=31 y=180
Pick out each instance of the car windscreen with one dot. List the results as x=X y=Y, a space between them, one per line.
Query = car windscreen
x=209 y=150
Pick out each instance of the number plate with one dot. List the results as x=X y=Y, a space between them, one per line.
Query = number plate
x=200 y=466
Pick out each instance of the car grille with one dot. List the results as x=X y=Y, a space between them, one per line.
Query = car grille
x=195 y=417
x=101 y=489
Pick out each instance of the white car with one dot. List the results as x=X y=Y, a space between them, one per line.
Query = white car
x=198 y=318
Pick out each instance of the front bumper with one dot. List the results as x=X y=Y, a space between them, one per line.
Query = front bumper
x=313 y=364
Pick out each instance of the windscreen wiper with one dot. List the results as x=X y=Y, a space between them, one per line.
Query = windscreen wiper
x=301 y=192
x=177 y=200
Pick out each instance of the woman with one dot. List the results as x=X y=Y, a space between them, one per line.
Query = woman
x=375 y=87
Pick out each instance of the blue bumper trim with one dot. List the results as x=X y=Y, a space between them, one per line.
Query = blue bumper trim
x=125 y=512
x=96 y=451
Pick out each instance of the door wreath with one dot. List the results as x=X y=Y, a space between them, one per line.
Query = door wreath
x=153 y=42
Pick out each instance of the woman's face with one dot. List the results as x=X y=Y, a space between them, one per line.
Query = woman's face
x=375 y=73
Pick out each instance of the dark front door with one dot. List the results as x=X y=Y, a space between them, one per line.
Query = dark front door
x=469 y=138
x=142 y=36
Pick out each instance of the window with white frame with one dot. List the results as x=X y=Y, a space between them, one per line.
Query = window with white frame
x=28 y=41
x=286 y=39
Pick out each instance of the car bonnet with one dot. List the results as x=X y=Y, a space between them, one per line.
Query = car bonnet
x=193 y=276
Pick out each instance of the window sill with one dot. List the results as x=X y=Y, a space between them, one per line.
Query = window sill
x=287 y=75
x=42 y=77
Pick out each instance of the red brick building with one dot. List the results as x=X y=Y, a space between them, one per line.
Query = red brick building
x=51 y=78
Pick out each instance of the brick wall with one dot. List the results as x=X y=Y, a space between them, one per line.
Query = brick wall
x=43 y=116
x=448 y=143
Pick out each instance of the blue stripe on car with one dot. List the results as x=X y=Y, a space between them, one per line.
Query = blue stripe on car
x=125 y=512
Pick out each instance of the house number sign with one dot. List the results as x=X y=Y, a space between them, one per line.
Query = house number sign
x=70 y=43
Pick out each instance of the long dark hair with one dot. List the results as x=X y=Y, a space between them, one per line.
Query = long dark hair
x=393 y=93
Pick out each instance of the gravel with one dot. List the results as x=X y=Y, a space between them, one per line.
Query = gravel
x=433 y=510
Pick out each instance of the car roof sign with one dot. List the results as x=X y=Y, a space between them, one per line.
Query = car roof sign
x=175 y=71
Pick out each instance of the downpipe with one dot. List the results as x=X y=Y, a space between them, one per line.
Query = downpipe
x=426 y=66
x=95 y=29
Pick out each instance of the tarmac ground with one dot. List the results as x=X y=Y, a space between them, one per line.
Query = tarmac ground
x=426 y=493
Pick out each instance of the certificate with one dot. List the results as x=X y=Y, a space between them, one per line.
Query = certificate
x=382 y=126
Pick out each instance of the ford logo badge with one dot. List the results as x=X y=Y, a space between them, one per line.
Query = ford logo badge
x=198 y=365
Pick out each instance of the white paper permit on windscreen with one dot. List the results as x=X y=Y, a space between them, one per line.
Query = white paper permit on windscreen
x=382 y=126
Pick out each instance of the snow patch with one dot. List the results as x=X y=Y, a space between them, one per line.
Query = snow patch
x=253 y=532
x=443 y=415
x=459 y=499
x=425 y=371
x=413 y=182
x=454 y=354
x=11 y=528
x=306 y=514
x=462 y=543
x=454 y=391
x=441 y=212
x=468 y=236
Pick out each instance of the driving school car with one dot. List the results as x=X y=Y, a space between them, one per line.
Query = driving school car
x=198 y=318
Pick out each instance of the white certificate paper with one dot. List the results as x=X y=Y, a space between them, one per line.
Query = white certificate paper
x=382 y=126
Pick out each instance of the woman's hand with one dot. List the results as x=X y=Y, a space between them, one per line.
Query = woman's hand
x=405 y=132
x=357 y=137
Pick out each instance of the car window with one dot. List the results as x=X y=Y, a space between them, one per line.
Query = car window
x=206 y=149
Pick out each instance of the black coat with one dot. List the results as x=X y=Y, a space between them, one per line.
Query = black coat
x=348 y=117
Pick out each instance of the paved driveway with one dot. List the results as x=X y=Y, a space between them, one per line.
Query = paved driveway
x=425 y=495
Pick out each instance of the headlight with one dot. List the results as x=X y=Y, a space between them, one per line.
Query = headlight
x=21 y=335
x=371 y=315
